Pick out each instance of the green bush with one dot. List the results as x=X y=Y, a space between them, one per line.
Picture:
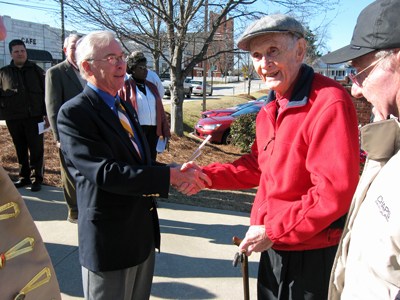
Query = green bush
x=243 y=131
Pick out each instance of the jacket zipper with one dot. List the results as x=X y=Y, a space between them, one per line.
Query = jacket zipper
x=265 y=148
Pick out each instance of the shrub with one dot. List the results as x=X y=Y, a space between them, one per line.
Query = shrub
x=243 y=131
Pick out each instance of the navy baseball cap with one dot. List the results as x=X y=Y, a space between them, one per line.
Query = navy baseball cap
x=377 y=28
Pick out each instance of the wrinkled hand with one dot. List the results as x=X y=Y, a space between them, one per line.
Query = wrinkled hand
x=256 y=240
x=187 y=180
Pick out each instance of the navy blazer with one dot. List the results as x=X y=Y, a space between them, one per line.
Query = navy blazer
x=118 y=222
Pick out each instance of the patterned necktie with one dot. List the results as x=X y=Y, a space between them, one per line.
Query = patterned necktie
x=123 y=118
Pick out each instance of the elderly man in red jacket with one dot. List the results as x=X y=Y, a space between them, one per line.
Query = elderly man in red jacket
x=304 y=161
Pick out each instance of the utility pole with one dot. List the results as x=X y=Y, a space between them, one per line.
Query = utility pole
x=205 y=61
x=62 y=28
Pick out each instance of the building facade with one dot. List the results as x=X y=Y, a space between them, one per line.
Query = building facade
x=43 y=43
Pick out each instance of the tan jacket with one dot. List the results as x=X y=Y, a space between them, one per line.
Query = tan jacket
x=25 y=265
x=367 y=264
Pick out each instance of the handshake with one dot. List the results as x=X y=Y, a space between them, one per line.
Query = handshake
x=188 y=178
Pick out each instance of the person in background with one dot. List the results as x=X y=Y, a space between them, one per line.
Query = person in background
x=144 y=97
x=116 y=179
x=22 y=106
x=305 y=162
x=153 y=78
x=63 y=82
x=367 y=264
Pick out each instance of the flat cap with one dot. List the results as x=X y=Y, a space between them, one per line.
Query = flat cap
x=270 y=24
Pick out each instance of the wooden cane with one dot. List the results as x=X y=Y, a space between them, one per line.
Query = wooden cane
x=245 y=270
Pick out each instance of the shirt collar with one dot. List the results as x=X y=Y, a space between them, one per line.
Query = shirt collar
x=107 y=98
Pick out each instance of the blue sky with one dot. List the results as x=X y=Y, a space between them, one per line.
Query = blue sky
x=340 y=32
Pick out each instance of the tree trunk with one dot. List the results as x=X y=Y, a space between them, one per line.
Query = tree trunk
x=177 y=109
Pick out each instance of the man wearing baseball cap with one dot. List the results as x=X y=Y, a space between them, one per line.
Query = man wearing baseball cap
x=367 y=264
x=304 y=161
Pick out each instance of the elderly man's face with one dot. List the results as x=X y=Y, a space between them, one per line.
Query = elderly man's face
x=107 y=77
x=70 y=50
x=379 y=85
x=277 y=60
x=19 y=55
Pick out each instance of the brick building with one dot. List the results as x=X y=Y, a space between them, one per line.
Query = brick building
x=221 y=65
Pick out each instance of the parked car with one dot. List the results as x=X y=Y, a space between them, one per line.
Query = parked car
x=197 y=86
x=219 y=127
x=187 y=85
x=261 y=99
x=226 y=111
x=217 y=113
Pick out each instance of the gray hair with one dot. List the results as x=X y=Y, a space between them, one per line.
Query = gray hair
x=390 y=61
x=70 y=37
x=133 y=60
x=89 y=45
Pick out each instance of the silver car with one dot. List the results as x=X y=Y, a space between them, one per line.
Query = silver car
x=197 y=88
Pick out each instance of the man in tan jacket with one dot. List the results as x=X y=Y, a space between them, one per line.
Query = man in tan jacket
x=63 y=82
x=367 y=264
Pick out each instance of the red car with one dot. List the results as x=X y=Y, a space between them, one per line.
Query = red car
x=218 y=113
x=231 y=110
x=219 y=127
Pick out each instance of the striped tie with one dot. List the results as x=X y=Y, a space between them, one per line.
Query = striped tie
x=123 y=118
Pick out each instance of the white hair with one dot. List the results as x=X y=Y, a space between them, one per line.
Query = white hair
x=69 y=38
x=390 y=61
x=89 y=45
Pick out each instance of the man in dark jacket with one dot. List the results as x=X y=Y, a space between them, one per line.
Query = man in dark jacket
x=22 y=106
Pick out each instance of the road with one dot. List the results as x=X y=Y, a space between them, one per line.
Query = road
x=226 y=89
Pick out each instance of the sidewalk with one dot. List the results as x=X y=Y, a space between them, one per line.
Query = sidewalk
x=196 y=250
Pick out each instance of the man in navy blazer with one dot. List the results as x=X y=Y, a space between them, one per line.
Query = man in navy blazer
x=116 y=184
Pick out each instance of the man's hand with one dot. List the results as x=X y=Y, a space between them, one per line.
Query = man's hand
x=256 y=240
x=188 y=181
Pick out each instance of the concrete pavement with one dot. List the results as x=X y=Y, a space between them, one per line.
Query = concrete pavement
x=196 y=251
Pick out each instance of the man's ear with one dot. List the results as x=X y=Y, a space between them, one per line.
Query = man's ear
x=301 y=49
x=398 y=55
x=87 y=68
x=65 y=51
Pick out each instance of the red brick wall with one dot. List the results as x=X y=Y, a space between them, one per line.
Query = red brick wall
x=363 y=108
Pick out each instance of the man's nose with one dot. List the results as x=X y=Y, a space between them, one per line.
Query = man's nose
x=265 y=62
x=356 y=91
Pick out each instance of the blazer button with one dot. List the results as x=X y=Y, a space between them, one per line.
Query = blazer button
x=20 y=296
x=151 y=208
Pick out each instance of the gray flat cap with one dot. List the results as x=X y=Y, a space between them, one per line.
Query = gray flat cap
x=269 y=24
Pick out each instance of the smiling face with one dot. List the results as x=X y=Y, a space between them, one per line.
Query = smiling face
x=107 y=77
x=277 y=59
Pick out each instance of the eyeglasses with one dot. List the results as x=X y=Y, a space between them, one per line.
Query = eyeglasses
x=112 y=59
x=360 y=83
x=142 y=67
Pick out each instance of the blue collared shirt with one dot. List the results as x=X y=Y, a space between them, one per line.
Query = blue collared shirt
x=110 y=101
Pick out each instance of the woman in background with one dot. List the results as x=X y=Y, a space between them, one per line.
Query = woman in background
x=144 y=97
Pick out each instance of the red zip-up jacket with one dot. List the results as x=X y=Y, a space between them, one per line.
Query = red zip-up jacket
x=305 y=162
